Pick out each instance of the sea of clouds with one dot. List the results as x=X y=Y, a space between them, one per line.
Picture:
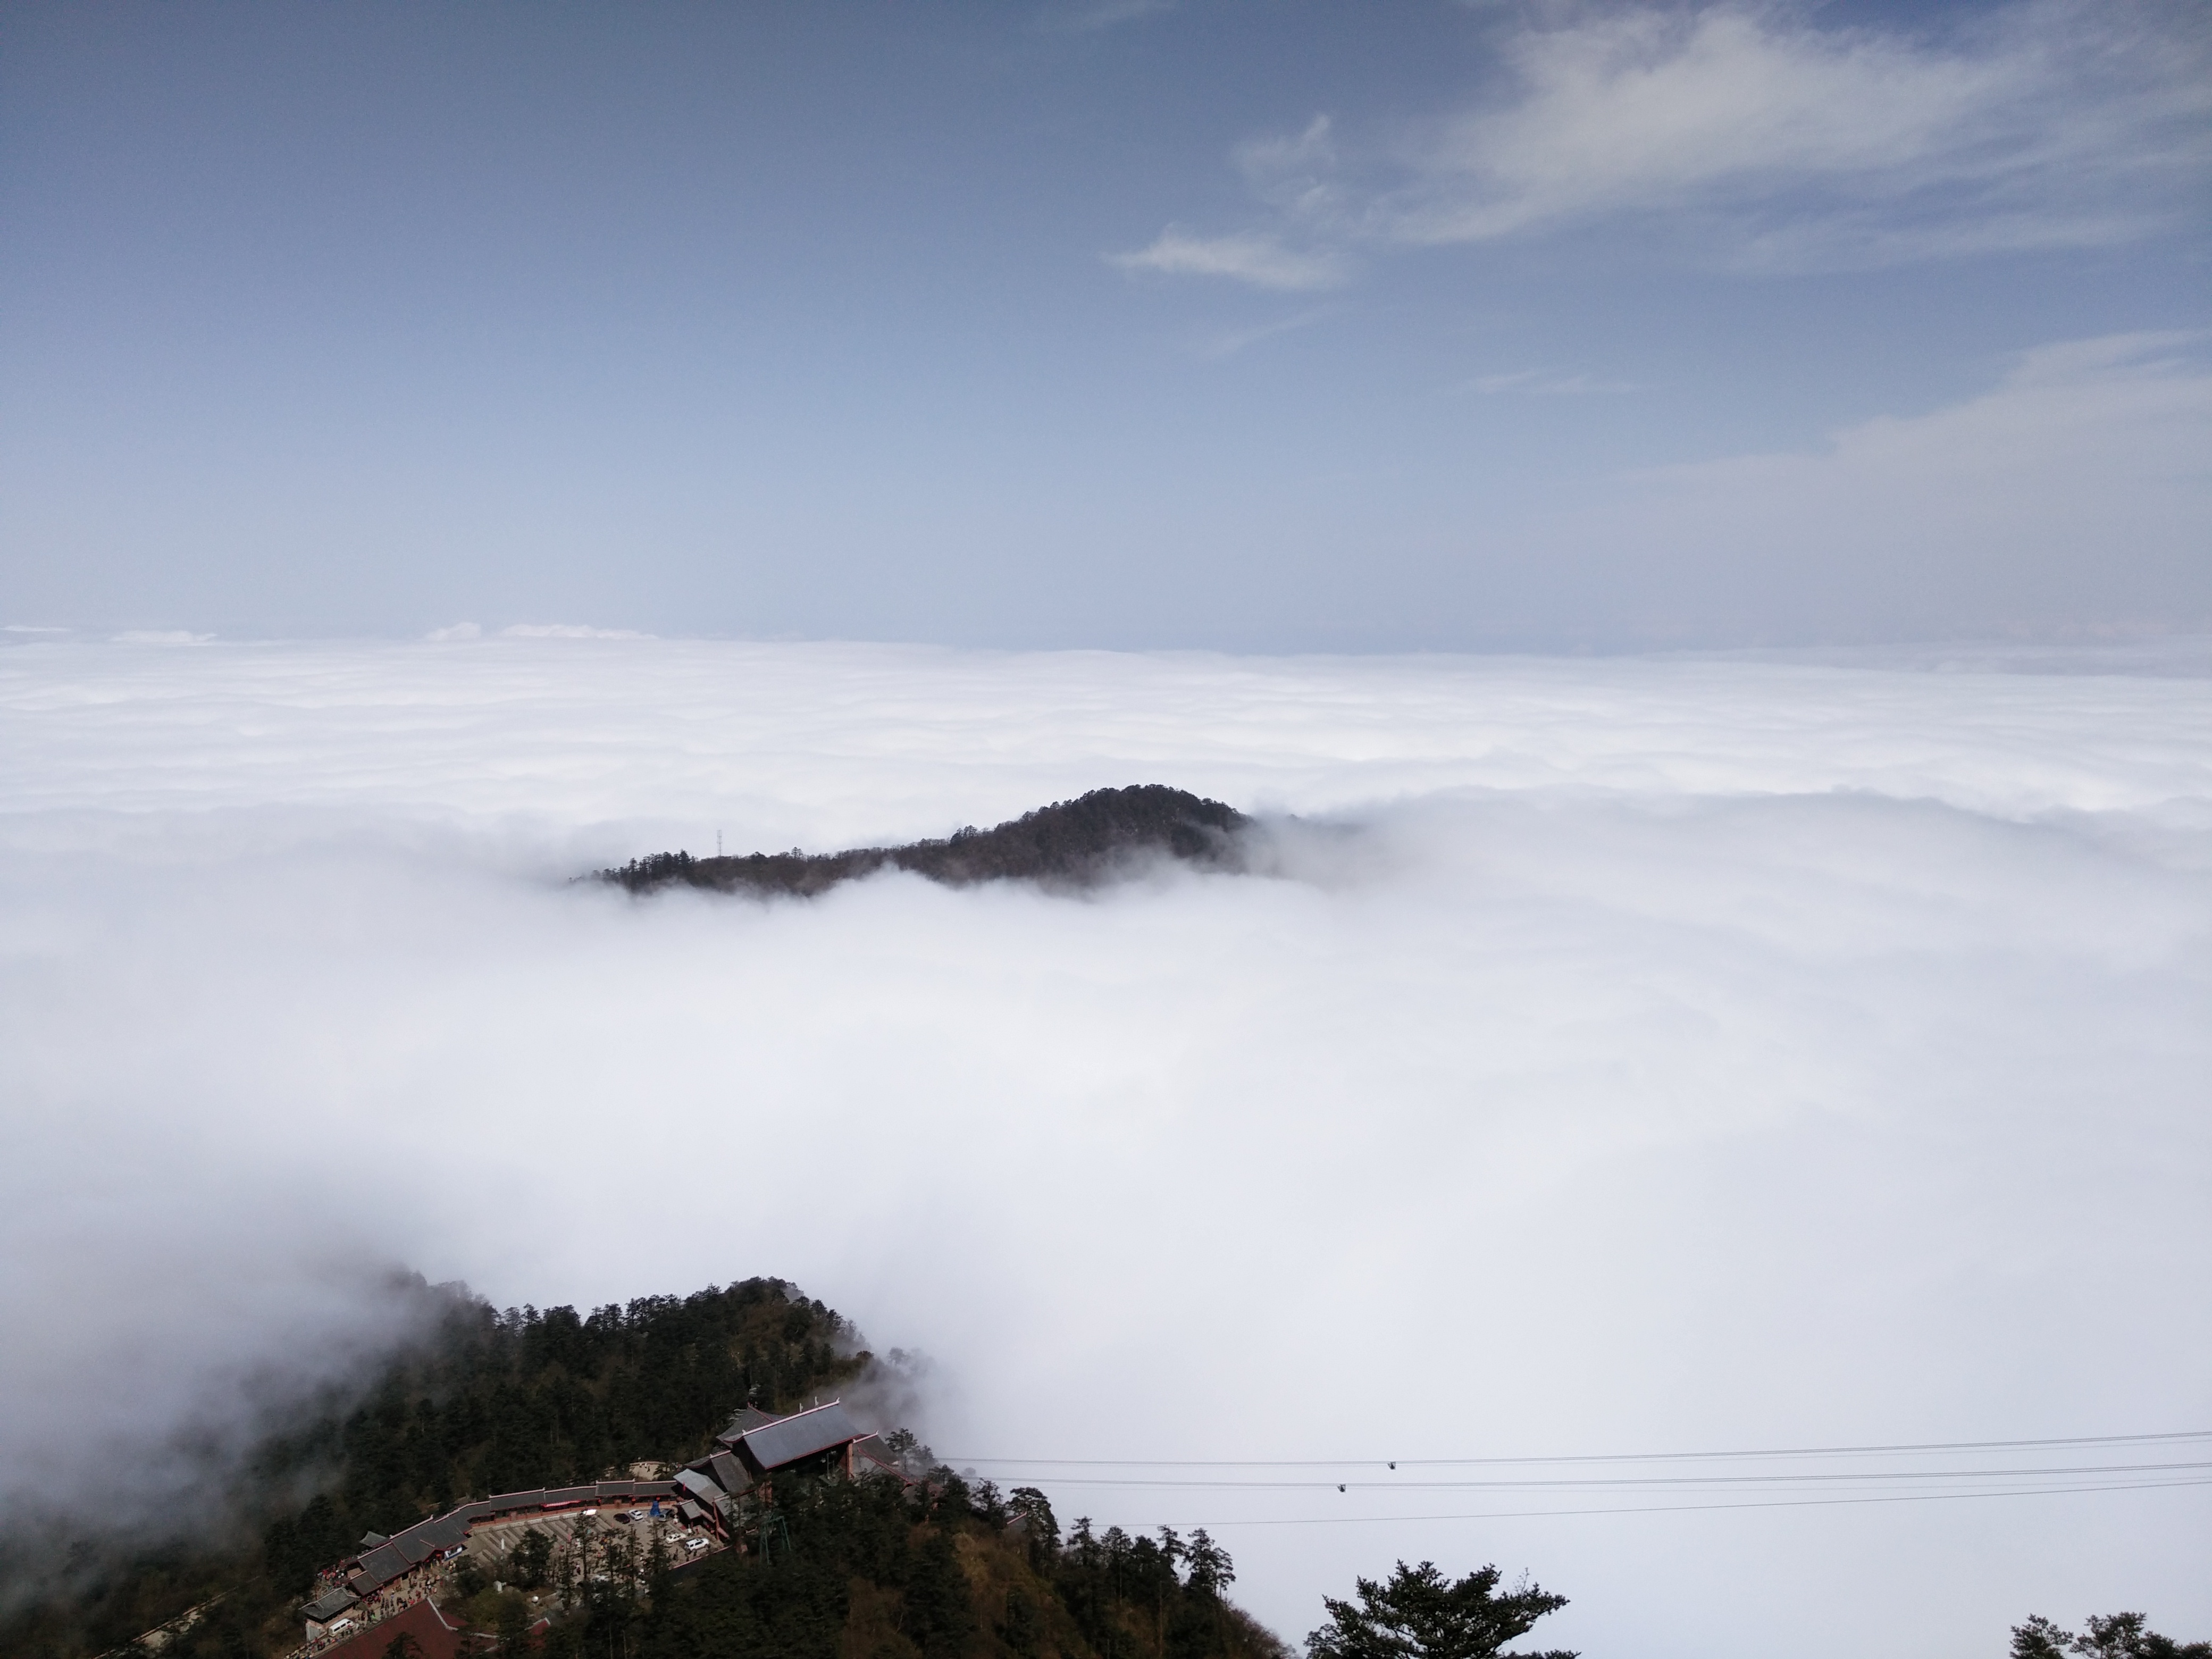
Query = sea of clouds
x=1626 y=1055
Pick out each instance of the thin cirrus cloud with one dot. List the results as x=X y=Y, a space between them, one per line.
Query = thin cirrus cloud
x=1229 y=343
x=1978 y=511
x=1258 y=257
x=1093 y=16
x=1767 y=141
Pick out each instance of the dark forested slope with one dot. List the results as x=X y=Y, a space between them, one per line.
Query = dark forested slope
x=489 y=1401
x=944 y=1569
x=1072 y=843
x=868 y=1569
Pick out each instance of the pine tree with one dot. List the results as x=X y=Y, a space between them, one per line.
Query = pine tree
x=1419 y=1614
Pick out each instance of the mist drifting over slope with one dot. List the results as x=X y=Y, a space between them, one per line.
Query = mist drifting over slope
x=1628 y=1055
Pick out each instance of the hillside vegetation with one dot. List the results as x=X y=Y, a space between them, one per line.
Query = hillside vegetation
x=943 y=1570
x=504 y=1401
x=1070 y=844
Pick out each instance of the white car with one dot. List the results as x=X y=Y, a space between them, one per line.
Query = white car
x=637 y=1514
x=696 y=1545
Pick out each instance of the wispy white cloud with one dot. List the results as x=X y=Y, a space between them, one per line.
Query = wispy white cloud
x=1755 y=136
x=1090 y=16
x=2134 y=410
x=1296 y=171
x=1294 y=174
x=1230 y=342
x=1257 y=258
x=2051 y=124
x=2077 y=489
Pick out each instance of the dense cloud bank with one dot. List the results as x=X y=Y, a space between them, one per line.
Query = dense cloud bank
x=1629 y=1056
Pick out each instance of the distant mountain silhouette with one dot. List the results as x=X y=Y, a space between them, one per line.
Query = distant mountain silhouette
x=1071 y=843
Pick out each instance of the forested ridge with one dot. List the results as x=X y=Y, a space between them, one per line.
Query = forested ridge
x=1072 y=843
x=942 y=1570
x=488 y=1401
x=942 y=1567
x=510 y=1400
x=493 y=1402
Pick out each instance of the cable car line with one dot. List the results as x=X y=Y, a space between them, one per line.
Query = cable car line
x=1688 y=1509
x=1797 y=1477
x=1585 y=1457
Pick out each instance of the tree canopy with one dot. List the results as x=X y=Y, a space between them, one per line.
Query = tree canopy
x=1421 y=1615
x=1070 y=843
x=2115 y=1636
x=875 y=1568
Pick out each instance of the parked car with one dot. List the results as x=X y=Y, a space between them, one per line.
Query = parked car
x=696 y=1545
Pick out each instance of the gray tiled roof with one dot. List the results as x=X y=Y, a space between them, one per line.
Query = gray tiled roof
x=384 y=1559
x=446 y=1531
x=871 y=1454
x=328 y=1604
x=384 y=1562
x=699 y=1486
x=790 y=1438
x=748 y=1419
x=732 y=1475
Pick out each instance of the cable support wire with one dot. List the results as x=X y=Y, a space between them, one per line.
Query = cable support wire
x=1531 y=1483
x=1892 y=1479
x=1690 y=1508
x=1894 y=1449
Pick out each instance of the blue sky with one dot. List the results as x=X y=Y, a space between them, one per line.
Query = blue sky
x=1284 y=326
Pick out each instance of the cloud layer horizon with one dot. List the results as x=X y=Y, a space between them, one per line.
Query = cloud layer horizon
x=1632 y=1055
